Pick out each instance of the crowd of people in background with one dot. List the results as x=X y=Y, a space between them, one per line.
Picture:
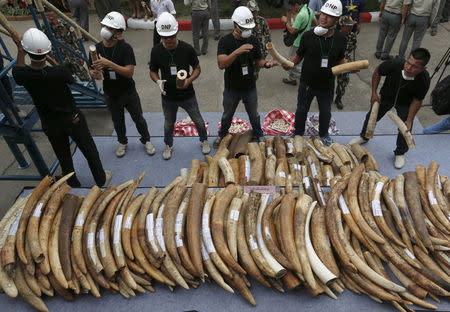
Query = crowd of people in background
x=320 y=34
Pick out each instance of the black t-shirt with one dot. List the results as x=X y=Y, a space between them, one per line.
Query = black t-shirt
x=48 y=88
x=394 y=83
x=169 y=62
x=314 y=49
x=234 y=74
x=122 y=54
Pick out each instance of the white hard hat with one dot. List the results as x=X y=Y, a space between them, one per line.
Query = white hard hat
x=36 y=42
x=243 y=17
x=166 y=25
x=114 y=20
x=332 y=7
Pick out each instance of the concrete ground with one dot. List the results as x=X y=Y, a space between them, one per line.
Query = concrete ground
x=272 y=92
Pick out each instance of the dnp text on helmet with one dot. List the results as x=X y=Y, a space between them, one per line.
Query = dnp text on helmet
x=331 y=6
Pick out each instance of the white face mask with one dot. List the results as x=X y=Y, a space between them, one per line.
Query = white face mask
x=105 y=33
x=320 y=31
x=246 y=33
x=406 y=77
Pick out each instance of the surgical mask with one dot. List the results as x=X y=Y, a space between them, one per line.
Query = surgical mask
x=105 y=33
x=246 y=33
x=320 y=31
x=406 y=77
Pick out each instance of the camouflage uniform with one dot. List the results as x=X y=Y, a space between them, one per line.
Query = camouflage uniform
x=262 y=33
x=65 y=33
x=344 y=79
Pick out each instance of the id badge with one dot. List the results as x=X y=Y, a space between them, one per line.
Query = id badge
x=324 y=63
x=112 y=74
x=244 y=70
x=173 y=70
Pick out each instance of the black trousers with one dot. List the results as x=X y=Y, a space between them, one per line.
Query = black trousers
x=59 y=128
x=402 y=112
x=304 y=98
x=132 y=103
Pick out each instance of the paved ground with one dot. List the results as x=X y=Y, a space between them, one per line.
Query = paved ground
x=272 y=93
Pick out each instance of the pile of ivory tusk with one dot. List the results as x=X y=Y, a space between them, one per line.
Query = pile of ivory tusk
x=55 y=242
x=277 y=161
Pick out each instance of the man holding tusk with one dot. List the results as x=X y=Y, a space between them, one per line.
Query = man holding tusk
x=167 y=59
x=60 y=118
x=117 y=62
x=405 y=86
x=320 y=49
x=238 y=53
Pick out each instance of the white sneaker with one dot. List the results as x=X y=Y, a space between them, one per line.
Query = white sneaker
x=359 y=140
x=149 y=148
x=205 y=147
x=400 y=161
x=167 y=152
x=108 y=176
x=121 y=150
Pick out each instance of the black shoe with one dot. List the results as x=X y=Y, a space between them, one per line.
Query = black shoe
x=204 y=52
x=378 y=55
x=385 y=57
x=338 y=103
x=289 y=81
x=217 y=37
x=198 y=53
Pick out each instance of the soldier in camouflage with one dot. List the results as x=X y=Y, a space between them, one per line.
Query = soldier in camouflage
x=346 y=24
x=66 y=34
x=261 y=31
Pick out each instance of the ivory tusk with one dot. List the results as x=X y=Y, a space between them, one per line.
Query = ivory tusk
x=370 y=129
x=181 y=77
x=349 y=67
x=403 y=129
x=277 y=56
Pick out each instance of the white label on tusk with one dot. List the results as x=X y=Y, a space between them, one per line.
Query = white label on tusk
x=101 y=239
x=290 y=145
x=15 y=225
x=313 y=170
x=159 y=233
x=178 y=241
x=234 y=215
x=379 y=187
x=149 y=225
x=306 y=182
x=205 y=254
x=80 y=220
x=439 y=182
x=205 y=221
x=409 y=253
x=309 y=159
x=282 y=174
x=252 y=243
x=117 y=227
x=267 y=232
x=343 y=205
x=38 y=210
x=431 y=198
x=209 y=243
x=376 y=208
x=269 y=151
x=247 y=170
x=128 y=222
x=322 y=199
x=179 y=223
x=90 y=240
x=297 y=167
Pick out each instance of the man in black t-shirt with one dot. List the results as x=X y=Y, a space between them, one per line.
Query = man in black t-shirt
x=117 y=63
x=405 y=87
x=238 y=53
x=59 y=116
x=320 y=49
x=168 y=60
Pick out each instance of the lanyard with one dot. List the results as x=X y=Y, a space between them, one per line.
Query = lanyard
x=112 y=55
x=399 y=87
x=241 y=57
x=329 y=51
x=172 y=62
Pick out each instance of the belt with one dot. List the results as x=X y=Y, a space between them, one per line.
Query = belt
x=392 y=12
